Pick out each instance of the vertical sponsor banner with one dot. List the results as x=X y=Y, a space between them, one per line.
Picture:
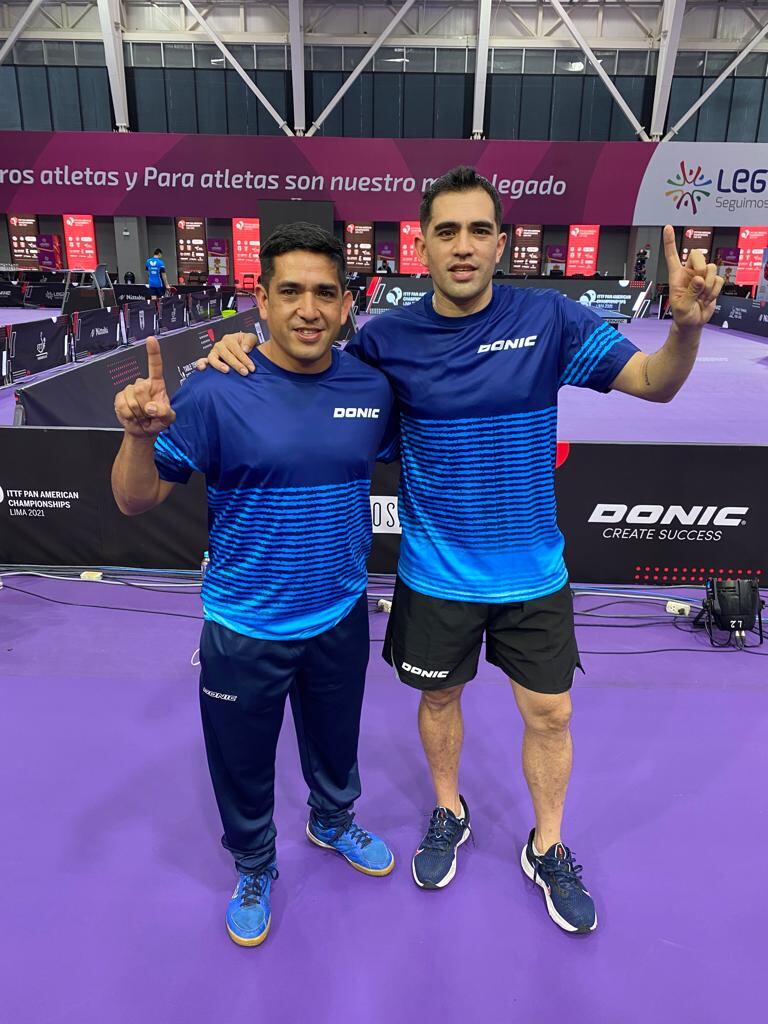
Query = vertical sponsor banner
x=727 y=260
x=525 y=257
x=22 y=232
x=38 y=345
x=386 y=258
x=246 y=238
x=191 y=255
x=695 y=238
x=583 y=241
x=49 y=252
x=80 y=241
x=554 y=258
x=358 y=246
x=409 y=261
x=218 y=261
x=762 y=285
x=752 y=242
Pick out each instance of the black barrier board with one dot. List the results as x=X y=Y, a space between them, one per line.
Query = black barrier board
x=171 y=314
x=739 y=314
x=204 y=306
x=140 y=319
x=132 y=293
x=658 y=515
x=39 y=345
x=56 y=506
x=11 y=295
x=654 y=514
x=96 y=330
x=84 y=396
x=46 y=295
x=614 y=301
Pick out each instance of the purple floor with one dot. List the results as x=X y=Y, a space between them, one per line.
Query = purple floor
x=114 y=885
x=731 y=367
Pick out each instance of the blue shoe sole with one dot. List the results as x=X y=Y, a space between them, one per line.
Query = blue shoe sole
x=377 y=872
x=559 y=920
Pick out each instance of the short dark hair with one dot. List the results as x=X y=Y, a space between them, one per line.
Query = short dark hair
x=460 y=179
x=301 y=237
x=158 y=252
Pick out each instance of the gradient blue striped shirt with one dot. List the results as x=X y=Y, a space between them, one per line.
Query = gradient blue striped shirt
x=288 y=460
x=478 y=399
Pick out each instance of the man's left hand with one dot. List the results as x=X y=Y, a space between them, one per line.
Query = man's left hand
x=693 y=288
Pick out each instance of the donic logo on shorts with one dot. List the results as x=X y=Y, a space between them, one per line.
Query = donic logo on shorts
x=343 y=413
x=506 y=343
x=425 y=673
x=219 y=696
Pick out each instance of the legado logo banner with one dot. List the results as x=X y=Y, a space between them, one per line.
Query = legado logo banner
x=705 y=183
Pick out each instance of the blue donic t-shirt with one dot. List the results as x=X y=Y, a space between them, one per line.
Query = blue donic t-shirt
x=154 y=267
x=288 y=459
x=478 y=400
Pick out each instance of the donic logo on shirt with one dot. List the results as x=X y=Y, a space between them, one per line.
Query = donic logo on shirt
x=342 y=412
x=506 y=343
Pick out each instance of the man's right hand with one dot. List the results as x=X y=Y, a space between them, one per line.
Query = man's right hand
x=144 y=409
x=231 y=351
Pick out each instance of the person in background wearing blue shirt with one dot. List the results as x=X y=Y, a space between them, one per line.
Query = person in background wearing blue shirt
x=476 y=368
x=287 y=453
x=157 y=279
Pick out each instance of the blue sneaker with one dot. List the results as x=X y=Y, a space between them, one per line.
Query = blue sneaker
x=434 y=863
x=569 y=904
x=365 y=851
x=249 y=913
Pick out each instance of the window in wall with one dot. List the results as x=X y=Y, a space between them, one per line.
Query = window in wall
x=147 y=55
x=572 y=61
x=90 y=55
x=689 y=63
x=716 y=62
x=509 y=62
x=451 y=60
x=327 y=58
x=471 y=60
x=747 y=97
x=352 y=57
x=127 y=57
x=62 y=54
x=271 y=58
x=28 y=51
x=390 y=58
x=539 y=62
x=243 y=54
x=753 y=66
x=632 y=62
x=420 y=58
x=607 y=60
x=207 y=56
x=177 y=55
x=713 y=115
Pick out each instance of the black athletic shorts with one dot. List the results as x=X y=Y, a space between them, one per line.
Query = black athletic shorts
x=433 y=643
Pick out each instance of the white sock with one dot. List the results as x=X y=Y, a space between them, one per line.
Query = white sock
x=535 y=851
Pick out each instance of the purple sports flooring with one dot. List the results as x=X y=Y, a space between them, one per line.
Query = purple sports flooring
x=114 y=885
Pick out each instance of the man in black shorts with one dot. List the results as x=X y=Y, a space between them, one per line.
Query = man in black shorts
x=477 y=369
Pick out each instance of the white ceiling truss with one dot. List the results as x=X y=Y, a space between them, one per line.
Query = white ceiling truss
x=663 y=26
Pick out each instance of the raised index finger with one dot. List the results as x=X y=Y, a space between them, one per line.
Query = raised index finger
x=154 y=360
x=670 y=248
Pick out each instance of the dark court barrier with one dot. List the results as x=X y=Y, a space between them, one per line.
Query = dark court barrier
x=140 y=319
x=172 y=314
x=667 y=516
x=96 y=330
x=615 y=301
x=737 y=314
x=11 y=294
x=46 y=295
x=85 y=396
x=204 y=306
x=37 y=346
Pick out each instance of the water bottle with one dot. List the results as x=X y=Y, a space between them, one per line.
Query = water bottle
x=204 y=565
